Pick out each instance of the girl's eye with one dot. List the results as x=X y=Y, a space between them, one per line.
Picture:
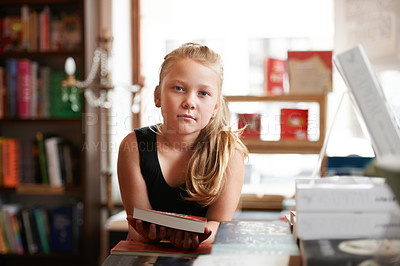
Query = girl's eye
x=177 y=88
x=203 y=93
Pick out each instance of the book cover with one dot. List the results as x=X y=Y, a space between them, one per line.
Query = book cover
x=11 y=81
x=344 y=193
x=334 y=225
x=294 y=124
x=43 y=97
x=6 y=248
x=34 y=71
x=33 y=30
x=25 y=33
x=255 y=237
x=10 y=163
x=62 y=229
x=3 y=93
x=172 y=220
x=350 y=252
x=31 y=244
x=274 y=76
x=27 y=171
x=252 y=124
x=3 y=239
x=11 y=33
x=42 y=226
x=42 y=158
x=164 y=249
x=53 y=161
x=12 y=237
x=24 y=93
x=44 y=29
x=310 y=71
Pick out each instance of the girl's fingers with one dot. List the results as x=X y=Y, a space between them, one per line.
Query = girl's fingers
x=152 y=232
x=195 y=241
x=187 y=241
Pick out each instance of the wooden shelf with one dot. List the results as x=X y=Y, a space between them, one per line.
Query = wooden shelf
x=285 y=146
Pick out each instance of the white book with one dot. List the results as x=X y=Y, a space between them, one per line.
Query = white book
x=172 y=220
x=370 y=101
x=344 y=193
x=325 y=225
x=53 y=161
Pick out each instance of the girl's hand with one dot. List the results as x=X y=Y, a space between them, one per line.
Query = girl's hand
x=188 y=240
x=148 y=231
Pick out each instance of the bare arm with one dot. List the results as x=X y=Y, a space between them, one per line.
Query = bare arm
x=131 y=182
x=224 y=208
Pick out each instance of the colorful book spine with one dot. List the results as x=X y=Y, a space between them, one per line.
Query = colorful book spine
x=34 y=89
x=42 y=158
x=11 y=81
x=53 y=161
x=44 y=29
x=10 y=163
x=24 y=93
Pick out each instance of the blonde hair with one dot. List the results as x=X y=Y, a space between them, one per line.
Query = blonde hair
x=216 y=142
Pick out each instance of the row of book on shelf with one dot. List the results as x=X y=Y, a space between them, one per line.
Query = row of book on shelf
x=303 y=72
x=47 y=160
x=41 y=29
x=293 y=124
x=40 y=230
x=32 y=91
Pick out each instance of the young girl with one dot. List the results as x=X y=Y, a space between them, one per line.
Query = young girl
x=191 y=163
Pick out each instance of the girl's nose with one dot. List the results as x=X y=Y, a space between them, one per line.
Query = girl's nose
x=189 y=102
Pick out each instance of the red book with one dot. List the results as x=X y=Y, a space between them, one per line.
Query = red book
x=44 y=29
x=173 y=220
x=24 y=92
x=165 y=249
x=274 y=74
x=310 y=71
x=252 y=122
x=10 y=163
x=294 y=123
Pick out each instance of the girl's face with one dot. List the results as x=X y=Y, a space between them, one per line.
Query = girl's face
x=188 y=96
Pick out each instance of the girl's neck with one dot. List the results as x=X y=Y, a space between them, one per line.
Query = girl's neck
x=177 y=142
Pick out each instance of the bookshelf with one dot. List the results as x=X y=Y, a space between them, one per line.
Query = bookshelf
x=287 y=146
x=275 y=201
x=65 y=38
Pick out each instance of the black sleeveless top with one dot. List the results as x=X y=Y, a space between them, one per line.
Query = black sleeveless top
x=162 y=197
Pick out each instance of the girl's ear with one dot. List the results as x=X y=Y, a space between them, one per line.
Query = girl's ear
x=157 y=97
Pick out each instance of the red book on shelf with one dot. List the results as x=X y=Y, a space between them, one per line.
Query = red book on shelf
x=294 y=124
x=252 y=122
x=165 y=249
x=310 y=71
x=24 y=92
x=173 y=220
x=274 y=74
x=10 y=162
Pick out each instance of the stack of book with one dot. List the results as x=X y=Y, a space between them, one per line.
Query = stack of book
x=335 y=211
x=346 y=207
